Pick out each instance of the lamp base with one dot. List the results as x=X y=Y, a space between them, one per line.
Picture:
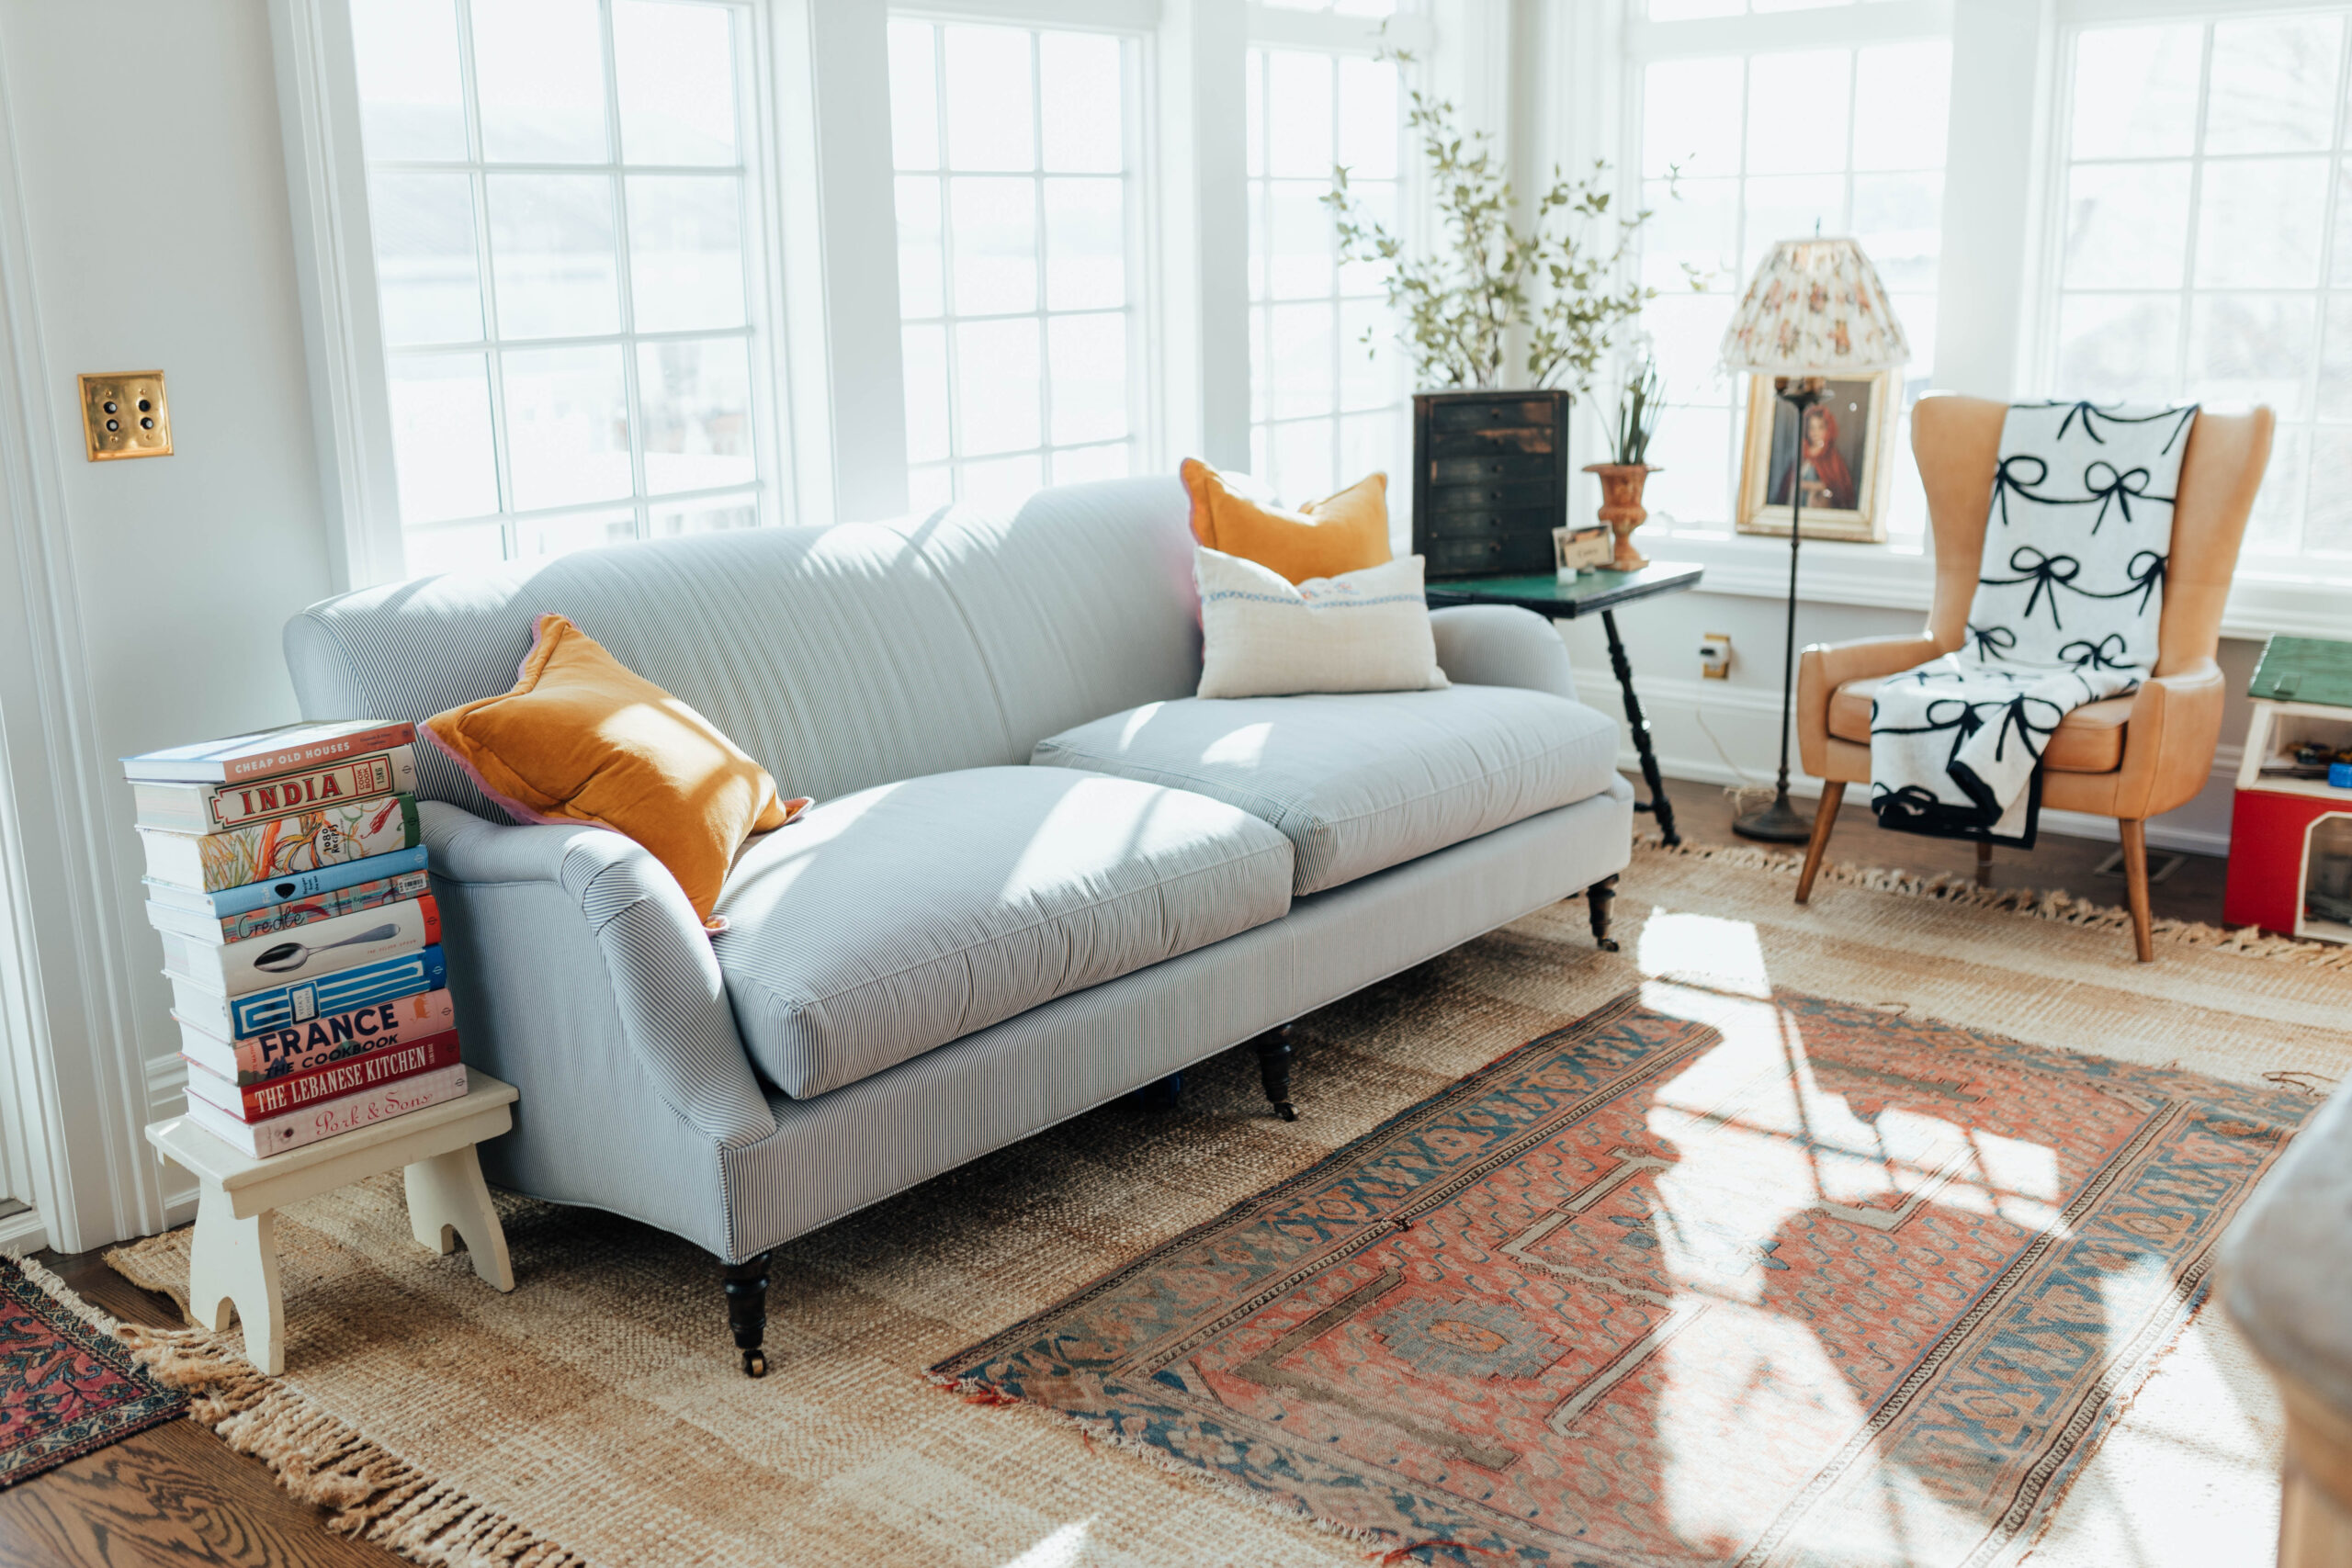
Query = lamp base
x=1778 y=823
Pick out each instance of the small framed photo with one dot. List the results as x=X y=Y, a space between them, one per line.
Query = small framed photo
x=1846 y=465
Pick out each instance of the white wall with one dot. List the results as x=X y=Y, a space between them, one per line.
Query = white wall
x=151 y=200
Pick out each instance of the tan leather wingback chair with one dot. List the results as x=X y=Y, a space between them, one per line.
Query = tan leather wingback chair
x=2129 y=757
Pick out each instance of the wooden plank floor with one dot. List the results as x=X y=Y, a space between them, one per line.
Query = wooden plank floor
x=177 y=1497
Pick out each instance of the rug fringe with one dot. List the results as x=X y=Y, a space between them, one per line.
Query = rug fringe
x=2039 y=904
x=367 y=1491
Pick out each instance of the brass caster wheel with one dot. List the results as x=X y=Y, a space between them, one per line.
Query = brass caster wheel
x=1286 y=1111
x=1608 y=944
x=755 y=1364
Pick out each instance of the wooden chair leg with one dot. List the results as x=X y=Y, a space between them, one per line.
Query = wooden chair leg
x=1824 y=816
x=2135 y=878
x=1983 y=862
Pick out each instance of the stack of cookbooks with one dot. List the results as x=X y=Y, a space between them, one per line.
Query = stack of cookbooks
x=300 y=932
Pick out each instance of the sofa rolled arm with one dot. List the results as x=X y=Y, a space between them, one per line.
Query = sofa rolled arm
x=1501 y=645
x=2169 y=740
x=1825 y=666
x=666 y=983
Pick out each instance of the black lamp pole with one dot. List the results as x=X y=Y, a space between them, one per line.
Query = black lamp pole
x=1781 y=823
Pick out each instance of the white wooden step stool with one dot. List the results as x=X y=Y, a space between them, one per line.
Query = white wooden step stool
x=234 y=1258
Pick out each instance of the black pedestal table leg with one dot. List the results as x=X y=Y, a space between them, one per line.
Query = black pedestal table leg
x=1659 y=804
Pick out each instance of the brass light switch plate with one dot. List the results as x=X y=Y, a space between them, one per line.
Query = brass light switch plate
x=124 y=415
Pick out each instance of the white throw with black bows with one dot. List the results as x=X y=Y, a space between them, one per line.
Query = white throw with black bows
x=2067 y=610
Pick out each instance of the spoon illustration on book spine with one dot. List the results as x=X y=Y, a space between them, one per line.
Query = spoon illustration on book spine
x=289 y=956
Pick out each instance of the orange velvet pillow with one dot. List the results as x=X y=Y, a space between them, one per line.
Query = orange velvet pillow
x=583 y=739
x=1346 y=532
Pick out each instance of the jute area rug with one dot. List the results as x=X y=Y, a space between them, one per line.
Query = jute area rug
x=597 y=1416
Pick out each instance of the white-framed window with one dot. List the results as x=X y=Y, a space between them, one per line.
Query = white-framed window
x=563 y=198
x=1329 y=386
x=2201 y=245
x=1842 y=134
x=1021 y=212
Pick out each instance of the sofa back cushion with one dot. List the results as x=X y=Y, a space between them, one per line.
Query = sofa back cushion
x=836 y=657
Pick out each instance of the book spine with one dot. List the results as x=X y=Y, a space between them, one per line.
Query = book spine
x=293 y=758
x=344 y=942
x=309 y=885
x=326 y=1120
x=271 y=918
x=276 y=1096
x=385 y=979
x=360 y=778
x=304 y=1047
x=307 y=840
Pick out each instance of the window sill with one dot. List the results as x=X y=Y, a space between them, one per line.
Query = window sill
x=1902 y=576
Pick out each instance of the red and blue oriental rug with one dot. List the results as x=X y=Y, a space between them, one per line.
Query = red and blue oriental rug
x=1703 y=1278
x=66 y=1389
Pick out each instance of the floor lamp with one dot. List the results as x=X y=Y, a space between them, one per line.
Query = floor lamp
x=1814 y=312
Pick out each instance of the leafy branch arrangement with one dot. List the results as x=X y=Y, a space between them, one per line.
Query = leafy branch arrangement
x=1638 y=407
x=1458 y=304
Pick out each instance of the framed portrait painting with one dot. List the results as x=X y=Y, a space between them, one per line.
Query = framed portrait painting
x=1842 y=466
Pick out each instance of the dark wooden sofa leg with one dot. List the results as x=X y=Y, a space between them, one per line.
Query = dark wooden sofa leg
x=1163 y=1094
x=1825 y=818
x=747 y=1310
x=1596 y=899
x=1273 y=1070
x=2135 y=882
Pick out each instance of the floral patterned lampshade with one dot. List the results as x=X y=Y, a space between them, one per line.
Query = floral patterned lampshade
x=1816 y=308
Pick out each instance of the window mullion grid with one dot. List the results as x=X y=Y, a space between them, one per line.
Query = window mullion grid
x=1853 y=97
x=2196 y=212
x=947 y=311
x=1037 y=249
x=493 y=363
x=2330 y=208
x=632 y=394
x=1337 y=445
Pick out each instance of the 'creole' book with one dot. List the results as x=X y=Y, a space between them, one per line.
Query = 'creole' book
x=255 y=896
x=276 y=1097
x=302 y=1048
x=261 y=852
x=348 y=1114
x=207 y=809
x=218 y=930
x=236 y=1017
x=290 y=747
x=344 y=942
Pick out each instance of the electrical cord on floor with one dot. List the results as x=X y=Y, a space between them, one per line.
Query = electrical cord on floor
x=1698 y=711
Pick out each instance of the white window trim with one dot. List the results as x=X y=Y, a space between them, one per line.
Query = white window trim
x=343 y=333
x=1992 y=334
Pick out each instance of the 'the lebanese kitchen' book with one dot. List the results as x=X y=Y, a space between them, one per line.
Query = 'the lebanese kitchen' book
x=276 y=1097
x=348 y=1114
x=259 y=851
x=344 y=942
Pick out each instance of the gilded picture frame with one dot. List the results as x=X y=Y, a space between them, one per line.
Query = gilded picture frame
x=1853 y=428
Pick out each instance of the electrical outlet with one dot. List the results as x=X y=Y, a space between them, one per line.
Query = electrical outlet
x=1714 y=656
x=124 y=415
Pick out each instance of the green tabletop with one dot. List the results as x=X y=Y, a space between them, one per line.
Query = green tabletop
x=1589 y=594
x=2304 y=670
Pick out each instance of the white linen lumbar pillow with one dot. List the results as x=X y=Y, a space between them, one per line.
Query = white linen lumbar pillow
x=1360 y=631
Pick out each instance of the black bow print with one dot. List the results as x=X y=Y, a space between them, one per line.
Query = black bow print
x=2146 y=572
x=1910 y=801
x=2091 y=413
x=2118 y=488
x=2047 y=573
x=1992 y=642
x=2088 y=414
x=2012 y=476
x=2109 y=652
x=2029 y=734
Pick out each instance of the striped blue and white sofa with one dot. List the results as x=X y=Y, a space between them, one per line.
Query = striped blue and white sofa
x=1040 y=874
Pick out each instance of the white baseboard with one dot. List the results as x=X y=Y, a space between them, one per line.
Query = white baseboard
x=23 y=1232
x=1710 y=733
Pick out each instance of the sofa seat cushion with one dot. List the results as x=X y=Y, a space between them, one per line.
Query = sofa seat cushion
x=890 y=921
x=1361 y=781
x=2089 y=740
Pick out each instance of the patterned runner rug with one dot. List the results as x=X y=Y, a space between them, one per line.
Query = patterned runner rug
x=66 y=1389
x=1703 y=1278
